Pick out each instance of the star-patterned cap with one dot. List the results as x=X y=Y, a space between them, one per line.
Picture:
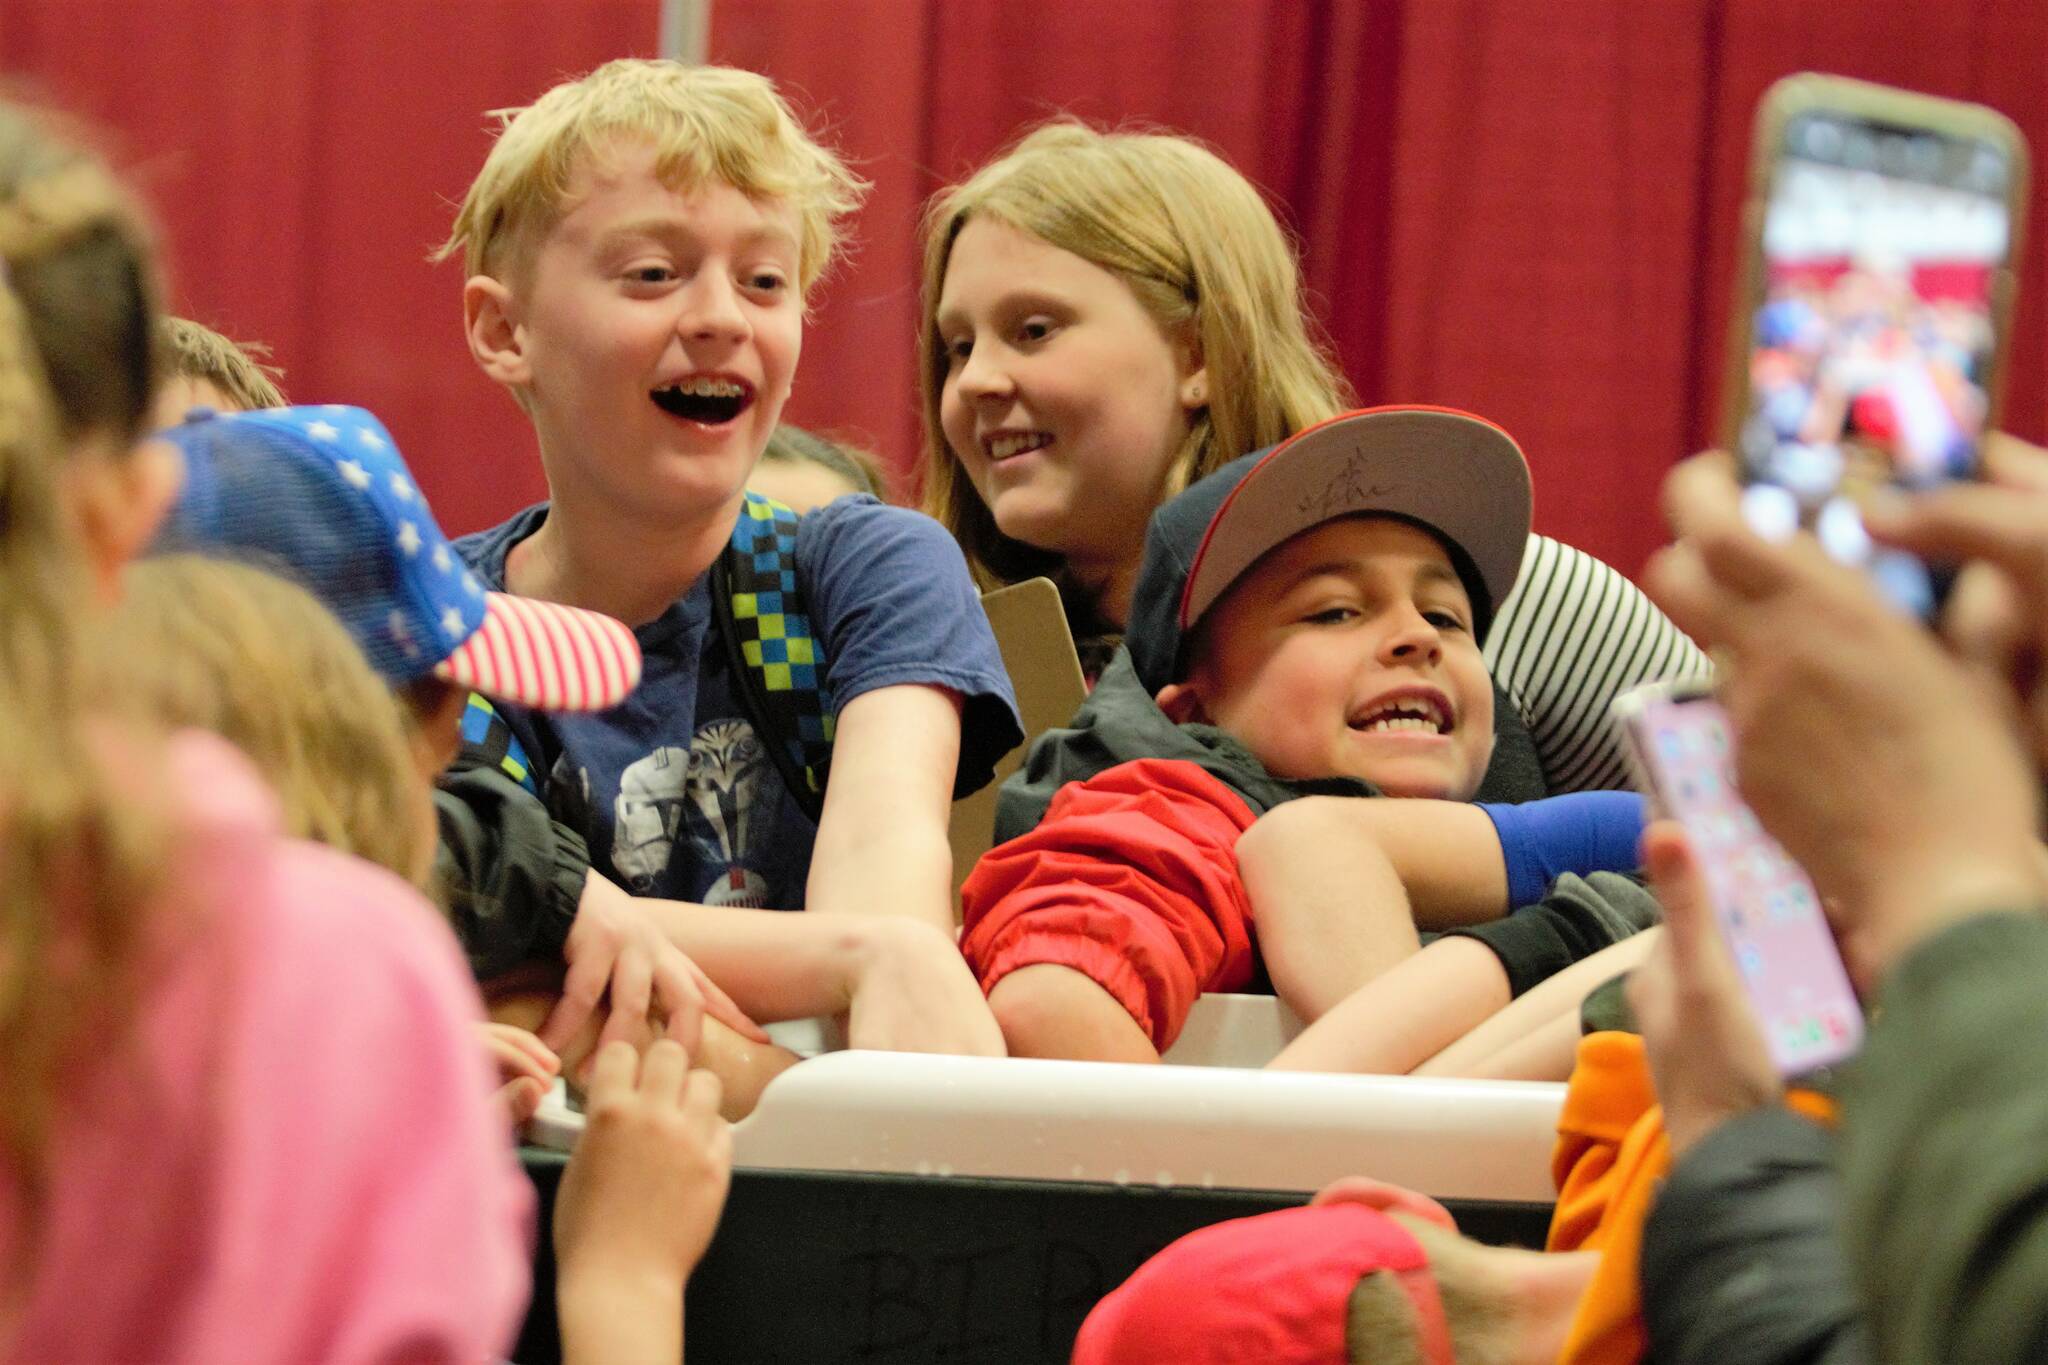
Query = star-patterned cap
x=322 y=496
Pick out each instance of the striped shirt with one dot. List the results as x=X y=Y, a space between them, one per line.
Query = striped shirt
x=1573 y=635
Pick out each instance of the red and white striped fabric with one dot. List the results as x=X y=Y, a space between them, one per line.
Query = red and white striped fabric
x=546 y=655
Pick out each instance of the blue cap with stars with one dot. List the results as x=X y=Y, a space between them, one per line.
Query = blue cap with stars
x=322 y=496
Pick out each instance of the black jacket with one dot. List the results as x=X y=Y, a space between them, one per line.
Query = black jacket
x=510 y=874
x=1742 y=1255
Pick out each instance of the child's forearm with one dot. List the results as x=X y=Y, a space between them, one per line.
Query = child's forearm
x=882 y=848
x=743 y=1067
x=1328 y=901
x=775 y=964
x=1495 y=1049
x=1545 y=1053
x=1407 y=1015
x=900 y=867
x=901 y=982
x=610 y=1319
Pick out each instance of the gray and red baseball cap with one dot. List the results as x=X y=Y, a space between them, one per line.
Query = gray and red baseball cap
x=1456 y=475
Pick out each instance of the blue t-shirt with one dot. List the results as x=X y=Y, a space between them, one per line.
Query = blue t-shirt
x=673 y=789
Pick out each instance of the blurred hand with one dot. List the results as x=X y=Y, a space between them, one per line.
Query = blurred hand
x=1997 y=617
x=616 y=944
x=642 y=1193
x=526 y=1068
x=1876 y=759
x=1704 y=1046
x=914 y=993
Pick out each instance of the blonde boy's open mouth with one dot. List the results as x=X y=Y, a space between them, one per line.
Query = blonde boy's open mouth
x=710 y=400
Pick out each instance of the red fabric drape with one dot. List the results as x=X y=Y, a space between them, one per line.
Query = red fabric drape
x=1528 y=210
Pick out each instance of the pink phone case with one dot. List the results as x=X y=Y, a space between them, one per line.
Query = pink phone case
x=1766 y=907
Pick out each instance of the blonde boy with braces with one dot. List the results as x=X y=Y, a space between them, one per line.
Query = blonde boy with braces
x=639 y=247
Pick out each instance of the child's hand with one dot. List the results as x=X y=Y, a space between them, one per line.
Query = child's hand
x=1378 y=1194
x=615 y=944
x=526 y=1068
x=642 y=1194
x=1705 y=1049
x=914 y=993
x=1997 y=618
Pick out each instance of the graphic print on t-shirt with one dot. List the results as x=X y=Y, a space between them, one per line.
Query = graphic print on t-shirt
x=646 y=815
x=711 y=798
x=725 y=809
x=674 y=793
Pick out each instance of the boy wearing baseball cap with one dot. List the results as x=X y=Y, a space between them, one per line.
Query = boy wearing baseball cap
x=1306 y=622
x=322 y=496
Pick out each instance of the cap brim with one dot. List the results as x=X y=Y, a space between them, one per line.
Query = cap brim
x=1457 y=473
x=546 y=655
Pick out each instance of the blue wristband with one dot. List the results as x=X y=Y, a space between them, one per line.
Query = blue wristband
x=1582 y=832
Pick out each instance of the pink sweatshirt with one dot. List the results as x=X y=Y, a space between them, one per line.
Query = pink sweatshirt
x=290 y=1156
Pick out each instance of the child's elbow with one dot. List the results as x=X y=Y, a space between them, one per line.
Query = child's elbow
x=1284 y=835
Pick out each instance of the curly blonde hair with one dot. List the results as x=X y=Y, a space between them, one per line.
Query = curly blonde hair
x=1197 y=246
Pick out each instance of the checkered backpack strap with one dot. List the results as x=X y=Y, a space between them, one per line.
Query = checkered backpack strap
x=487 y=741
x=779 y=665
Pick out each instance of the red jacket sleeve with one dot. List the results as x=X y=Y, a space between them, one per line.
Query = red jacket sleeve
x=1131 y=878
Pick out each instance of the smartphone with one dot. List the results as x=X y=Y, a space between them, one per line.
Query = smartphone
x=1872 y=309
x=1767 y=909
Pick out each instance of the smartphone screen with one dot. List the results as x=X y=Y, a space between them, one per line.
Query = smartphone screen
x=1871 y=346
x=1766 y=908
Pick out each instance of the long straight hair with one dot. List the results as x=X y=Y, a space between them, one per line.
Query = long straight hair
x=1197 y=246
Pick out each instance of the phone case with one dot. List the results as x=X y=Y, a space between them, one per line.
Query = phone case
x=1766 y=908
x=1811 y=91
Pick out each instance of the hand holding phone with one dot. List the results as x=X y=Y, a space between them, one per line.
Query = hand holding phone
x=1764 y=905
x=1872 y=309
x=1701 y=1036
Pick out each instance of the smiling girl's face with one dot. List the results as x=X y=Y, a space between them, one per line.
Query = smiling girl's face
x=1063 y=399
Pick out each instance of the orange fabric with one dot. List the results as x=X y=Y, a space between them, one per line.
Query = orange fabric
x=1610 y=1091
x=1611 y=1156
x=1131 y=879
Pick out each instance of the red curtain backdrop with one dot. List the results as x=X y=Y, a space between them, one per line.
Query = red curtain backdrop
x=1528 y=210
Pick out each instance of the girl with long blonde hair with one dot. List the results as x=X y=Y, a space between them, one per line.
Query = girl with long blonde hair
x=1109 y=316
